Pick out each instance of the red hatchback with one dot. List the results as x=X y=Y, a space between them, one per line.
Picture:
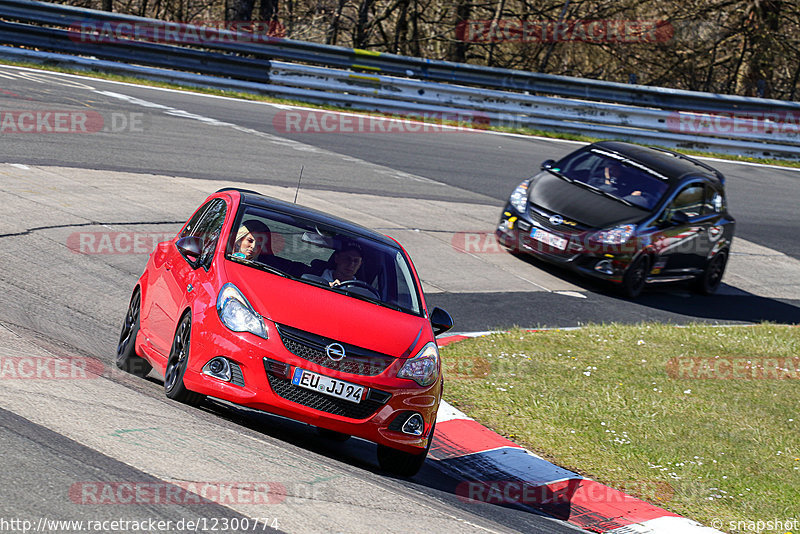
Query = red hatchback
x=292 y=311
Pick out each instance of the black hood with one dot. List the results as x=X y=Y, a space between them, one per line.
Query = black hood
x=579 y=204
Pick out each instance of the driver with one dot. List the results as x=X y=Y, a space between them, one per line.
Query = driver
x=617 y=183
x=612 y=176
x=346 y=262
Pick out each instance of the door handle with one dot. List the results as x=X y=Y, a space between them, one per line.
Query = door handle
x=189 y=288
x=168 y=265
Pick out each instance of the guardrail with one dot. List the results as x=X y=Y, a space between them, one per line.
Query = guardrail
x=720 y=123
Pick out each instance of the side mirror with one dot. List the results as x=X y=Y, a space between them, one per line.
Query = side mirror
x=440 y=321
x=190 y=246
x=679 y=217
x=548 y=164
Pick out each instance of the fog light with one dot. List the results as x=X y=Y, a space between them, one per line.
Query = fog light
x=218 y=368
x=604 y=266
x=523 y=226
x=414 y=425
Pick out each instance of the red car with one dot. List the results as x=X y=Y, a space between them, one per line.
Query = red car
x=295 y=312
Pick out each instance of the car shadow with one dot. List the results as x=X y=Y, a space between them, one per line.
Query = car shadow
x=730 y=304
x=434 y=479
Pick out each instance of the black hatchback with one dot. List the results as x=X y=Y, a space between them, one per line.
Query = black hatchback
x=624 y=213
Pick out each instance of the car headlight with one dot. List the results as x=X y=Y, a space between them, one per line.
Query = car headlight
x=519 y=198
x=237 y=314
x=618 y=235
x=422 y=368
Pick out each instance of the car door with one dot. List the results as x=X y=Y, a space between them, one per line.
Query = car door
x=183 y=273
x=156 y=323
x=714 y=210
x=176 y=275
x=681 y=241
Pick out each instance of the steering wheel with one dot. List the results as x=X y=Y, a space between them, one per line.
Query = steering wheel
x=363 y=285
x=595 y=180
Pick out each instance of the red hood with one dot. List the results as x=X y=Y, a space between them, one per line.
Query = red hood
x=330 y=314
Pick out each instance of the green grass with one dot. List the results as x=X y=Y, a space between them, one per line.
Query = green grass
x=606 y=402
x=266 y=98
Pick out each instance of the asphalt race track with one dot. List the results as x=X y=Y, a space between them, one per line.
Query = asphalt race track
x=232 y=141
x=156 y=155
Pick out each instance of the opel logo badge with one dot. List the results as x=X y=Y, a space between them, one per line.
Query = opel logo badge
x=335 y=351
x=555 y=220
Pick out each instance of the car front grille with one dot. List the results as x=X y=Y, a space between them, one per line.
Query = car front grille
x=311 y=347
x=542 y=218
x=537 y=249
x=325 y=403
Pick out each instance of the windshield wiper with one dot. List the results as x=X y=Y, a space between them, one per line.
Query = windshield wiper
x=560 y=175
x=259 y=265
x=343 y=290
x=606 y=194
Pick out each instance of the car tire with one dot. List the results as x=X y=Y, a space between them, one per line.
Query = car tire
x=332 y=435
x=401 y=463
x=176 y=365
x=711 y=278
x=635 y=276
x=127 y=359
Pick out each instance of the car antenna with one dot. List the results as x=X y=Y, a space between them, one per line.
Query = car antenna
x=298 y=184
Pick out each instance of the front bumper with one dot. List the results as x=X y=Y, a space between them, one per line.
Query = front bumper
x=581 y=254
x=267 y=366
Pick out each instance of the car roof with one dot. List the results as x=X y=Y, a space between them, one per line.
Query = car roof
x=254 y=198
x=672 y=165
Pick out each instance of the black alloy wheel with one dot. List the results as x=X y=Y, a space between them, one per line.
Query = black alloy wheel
x=636 y=276
x=127 y=359
x=177 y=363
x=708 y=282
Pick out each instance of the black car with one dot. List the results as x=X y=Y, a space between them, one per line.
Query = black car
x=624 y=213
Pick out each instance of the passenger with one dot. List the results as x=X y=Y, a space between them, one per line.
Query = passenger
x=346 y=263
x=252 y=240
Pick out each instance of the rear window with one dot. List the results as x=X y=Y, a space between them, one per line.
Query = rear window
x=318 y=254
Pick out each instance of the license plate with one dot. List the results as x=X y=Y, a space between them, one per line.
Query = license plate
x=549 y=239
x=327 y=385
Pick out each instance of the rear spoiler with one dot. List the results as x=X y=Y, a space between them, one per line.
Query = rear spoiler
x=239 y=190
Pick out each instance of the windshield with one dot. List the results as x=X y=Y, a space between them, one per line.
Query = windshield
x=612 y=175
x=326 y=256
